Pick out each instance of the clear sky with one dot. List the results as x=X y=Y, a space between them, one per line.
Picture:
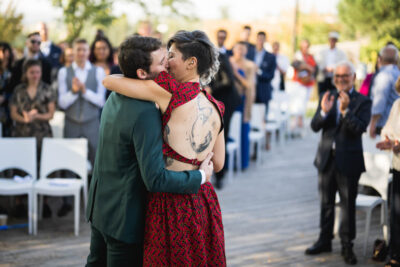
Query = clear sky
x=241 y=10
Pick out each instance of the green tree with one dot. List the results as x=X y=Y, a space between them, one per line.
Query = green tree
x=379 y=20
x=10 y=23
x=78 y=13
x=376 y=19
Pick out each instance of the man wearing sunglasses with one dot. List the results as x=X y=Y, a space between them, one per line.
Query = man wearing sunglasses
x=33 y=52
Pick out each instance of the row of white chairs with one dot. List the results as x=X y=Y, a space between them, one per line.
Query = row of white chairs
x=57 y=154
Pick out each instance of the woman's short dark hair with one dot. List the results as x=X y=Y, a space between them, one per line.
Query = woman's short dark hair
x=135 y=53
x=28 y=64
x=196 y=44
x=92 y=56
x=6 y=47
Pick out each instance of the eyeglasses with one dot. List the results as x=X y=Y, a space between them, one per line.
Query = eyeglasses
x=344 y=76
x=35 y=42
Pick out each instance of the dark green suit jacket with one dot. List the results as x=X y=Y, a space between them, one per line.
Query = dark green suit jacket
x=129 y=163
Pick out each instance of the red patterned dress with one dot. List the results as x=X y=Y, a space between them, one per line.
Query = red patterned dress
x=183 y=229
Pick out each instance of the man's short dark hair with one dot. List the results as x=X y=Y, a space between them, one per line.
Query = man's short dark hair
x=223 y=31
x=135 y=53
x=262 y=33
x=246 y=27
x=33 y=34
x=80 y=41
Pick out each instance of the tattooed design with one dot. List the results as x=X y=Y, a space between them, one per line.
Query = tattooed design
x=203 y=117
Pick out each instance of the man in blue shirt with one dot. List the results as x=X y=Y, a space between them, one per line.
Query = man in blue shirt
x=383 y=90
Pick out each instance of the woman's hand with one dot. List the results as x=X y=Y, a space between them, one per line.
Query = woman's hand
x=396 y=147
x=385 y=144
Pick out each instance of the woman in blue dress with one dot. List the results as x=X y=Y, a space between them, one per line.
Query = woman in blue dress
x=245 y=76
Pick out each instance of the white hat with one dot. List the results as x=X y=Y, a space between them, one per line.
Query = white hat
x=334 y=35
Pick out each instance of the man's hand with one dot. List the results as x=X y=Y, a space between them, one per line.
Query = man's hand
x=385 y=144
x=372 y=129
x=327 y=102
x=75 y=85
x=207 y=166
x=344 y=102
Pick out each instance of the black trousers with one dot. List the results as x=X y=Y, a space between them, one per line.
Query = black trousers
x=395 y=217
x=106 y=251
x=331 y=181
x=325 y=85
x=227 y=120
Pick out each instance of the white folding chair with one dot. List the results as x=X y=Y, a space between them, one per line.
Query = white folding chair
x=57 y=124
x=376 y=176
x=19 y=153
x=257 y=132
x=62 y=154
x=233 y=147
x=1 y=130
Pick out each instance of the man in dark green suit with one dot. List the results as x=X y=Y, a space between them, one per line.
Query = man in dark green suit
x=129 y=162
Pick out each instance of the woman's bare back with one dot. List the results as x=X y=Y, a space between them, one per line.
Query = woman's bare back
x=192 y=131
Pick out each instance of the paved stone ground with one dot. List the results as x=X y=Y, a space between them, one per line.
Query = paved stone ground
x=270 y=215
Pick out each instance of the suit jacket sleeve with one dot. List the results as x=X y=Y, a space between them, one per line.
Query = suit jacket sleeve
x=318 y=121
x=269 y=71
x=147 y=141
x=357 y=122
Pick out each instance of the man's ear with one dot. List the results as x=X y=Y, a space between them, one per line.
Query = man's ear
x=141 y=73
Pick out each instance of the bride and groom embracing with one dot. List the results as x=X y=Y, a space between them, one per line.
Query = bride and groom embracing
x=151 y=202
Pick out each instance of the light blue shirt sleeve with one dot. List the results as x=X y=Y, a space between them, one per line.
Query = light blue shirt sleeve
x=380 y=91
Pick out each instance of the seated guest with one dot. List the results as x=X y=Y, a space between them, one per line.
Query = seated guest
x=391 y=135
x=343 y=116
x=32 y=106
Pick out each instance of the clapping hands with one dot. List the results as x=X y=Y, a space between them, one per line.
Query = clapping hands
x=29 y=116
x=327 y=102
x=78 y=86
x=389 y=144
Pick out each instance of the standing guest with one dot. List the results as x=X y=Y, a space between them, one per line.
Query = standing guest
x=304 y=73
x=6 y=61
x=343 y=116
x=33 y=52
x=328 y=59
x=282 y=65
x=365 y=88
x=81 y=94
x=67 y=57
x=32 y=106
x=391 y=135
x=221 y=38
x=49 y=50
x=101 y=54
x=223 y=89
x=266 y=63
x=245 y=37
x=244 y=71
x=383 y=91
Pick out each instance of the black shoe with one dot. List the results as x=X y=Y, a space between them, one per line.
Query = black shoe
x=65 y=208
x=218 y=184
x=348 y=255
x=46 y=211
x=319 y=247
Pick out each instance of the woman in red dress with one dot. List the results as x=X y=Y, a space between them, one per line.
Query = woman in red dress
x=184 y=230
